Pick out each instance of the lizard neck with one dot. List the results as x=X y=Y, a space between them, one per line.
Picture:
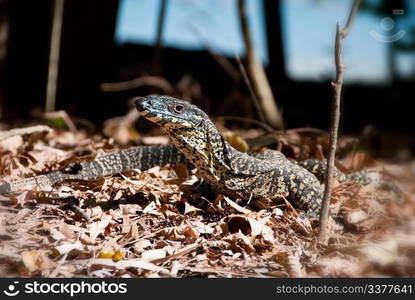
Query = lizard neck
x=205 y=148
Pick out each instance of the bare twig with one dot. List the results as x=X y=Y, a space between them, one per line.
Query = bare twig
x=55 y=272
x=307 y=130
x=159 y=38
x=75 y=208
x=250 y=88
x=257 y=74
x=341 y=33
x=152 y=81
x=231 y=70
x=55 y=43
x=222 y=60
x=64 y=116
x=4 y=35
x=184 y=251
x=24 y=131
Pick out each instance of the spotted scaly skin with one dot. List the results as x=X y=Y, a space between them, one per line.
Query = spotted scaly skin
x=141 y=158
x=318 y=168
x=197 y=141
x=227 y=170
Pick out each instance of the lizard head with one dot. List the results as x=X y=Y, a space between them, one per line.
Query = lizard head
x=190 y=130
x=169 y=112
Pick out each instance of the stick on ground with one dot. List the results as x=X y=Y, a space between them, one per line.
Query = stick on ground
x=341 y=34
x=24 y=131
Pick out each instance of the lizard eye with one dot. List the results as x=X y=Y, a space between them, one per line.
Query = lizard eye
x=177 y=108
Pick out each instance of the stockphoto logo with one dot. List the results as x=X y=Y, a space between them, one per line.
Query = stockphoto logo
x=390 y=34
x=71 y=289
x=12 y=290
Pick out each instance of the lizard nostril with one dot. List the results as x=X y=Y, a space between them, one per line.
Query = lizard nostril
x=138 y=100
x=142 y=103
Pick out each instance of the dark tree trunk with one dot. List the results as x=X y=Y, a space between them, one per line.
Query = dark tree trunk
x=4 y=32
x=276 y=69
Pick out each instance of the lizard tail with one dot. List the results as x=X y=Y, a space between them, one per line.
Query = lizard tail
x=318 y=168
x=142 y=158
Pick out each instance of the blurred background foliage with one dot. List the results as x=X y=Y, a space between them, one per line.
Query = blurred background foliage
x=191 y=49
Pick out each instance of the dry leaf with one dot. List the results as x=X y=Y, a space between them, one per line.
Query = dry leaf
x=180 y=233
x=236 y=206
x=67 y=247
x=97 y=228
x=249 y=226
x=36 y=260
x=150 y=255
x=123 y=264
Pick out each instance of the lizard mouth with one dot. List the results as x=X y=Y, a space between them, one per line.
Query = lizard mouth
x=147 y=109
x=163 y=112
x=143 y=104
x=154 y=110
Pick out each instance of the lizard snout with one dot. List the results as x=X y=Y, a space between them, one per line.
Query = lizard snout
x=142 y=103
x=149 y=104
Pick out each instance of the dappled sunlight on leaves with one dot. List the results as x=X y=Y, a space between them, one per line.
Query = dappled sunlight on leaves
x=154 y=224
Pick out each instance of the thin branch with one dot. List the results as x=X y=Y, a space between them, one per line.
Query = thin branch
x=160 y=30
x=64 y=116
x=222 y=60
x=4 y=36
x=341 y=33
x=250 y=88
x=345 y=31
x=24 y=131
x=152 y=81
x=55 y=45
x=75 y=208
x=230 y=69
x=257 y=74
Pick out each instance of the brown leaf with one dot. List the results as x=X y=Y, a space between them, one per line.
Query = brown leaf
x=180 y=233
x=249 y=226
x=97 y=228
x=36 y=260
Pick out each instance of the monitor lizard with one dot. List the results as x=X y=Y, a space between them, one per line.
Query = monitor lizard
x=197 y=141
